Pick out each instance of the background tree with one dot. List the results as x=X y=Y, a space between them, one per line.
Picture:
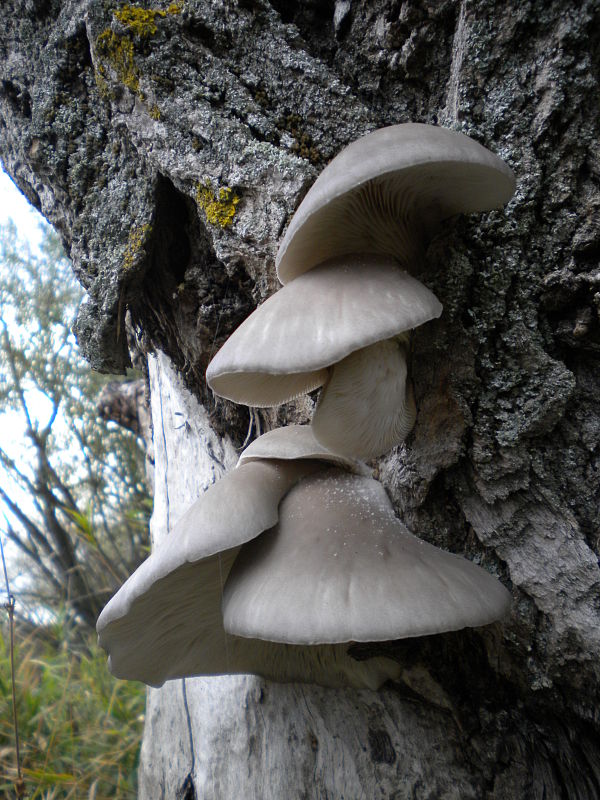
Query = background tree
x=72 y=487
x=170 y=143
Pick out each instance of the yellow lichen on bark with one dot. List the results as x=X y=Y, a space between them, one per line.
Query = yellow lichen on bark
x=218 y=208
x=137 y=237
x=118 y=51
x=140 y=21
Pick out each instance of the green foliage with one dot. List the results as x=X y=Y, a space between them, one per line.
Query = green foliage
x=80 y=729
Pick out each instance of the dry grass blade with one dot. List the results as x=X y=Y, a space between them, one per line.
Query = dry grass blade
x=80 y=729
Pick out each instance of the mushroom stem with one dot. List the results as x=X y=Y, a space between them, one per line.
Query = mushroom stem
x=367 y=407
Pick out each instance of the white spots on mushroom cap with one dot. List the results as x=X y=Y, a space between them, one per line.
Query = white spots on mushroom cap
x=339 y=566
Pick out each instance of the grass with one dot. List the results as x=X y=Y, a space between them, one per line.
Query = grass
x=80 y=729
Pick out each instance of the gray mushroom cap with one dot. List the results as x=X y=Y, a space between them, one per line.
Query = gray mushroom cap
x=285 y=347
x=340 y=566
x=383 y=190
x=297 y=442
x=166 y=621
x=173 y=599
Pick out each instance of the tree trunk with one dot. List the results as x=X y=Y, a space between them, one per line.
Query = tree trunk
x=122 y=129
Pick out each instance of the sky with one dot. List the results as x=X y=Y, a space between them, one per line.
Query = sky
x=15 y=206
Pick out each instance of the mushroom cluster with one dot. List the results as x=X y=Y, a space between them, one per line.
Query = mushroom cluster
x=281 y=564
x=342 y=319
x=298 y=552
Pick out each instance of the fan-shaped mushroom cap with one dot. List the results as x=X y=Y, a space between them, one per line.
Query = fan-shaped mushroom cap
x=284 y=348
x=381 y=190
x=166 y=622
x=340 y=566
x=297 y=442
x=146 y=627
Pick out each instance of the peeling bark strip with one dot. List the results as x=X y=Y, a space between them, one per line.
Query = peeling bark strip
x=170 y=143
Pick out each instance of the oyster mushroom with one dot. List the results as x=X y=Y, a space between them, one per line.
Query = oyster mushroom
x=342 y=325
x=387 y=192
x=372 y=210
x=339 y=566
x=327 y=565
x=166 y=622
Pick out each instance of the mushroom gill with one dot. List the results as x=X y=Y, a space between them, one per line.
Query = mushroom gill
x=387 y=193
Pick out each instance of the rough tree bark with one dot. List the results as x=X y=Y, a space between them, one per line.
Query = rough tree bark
x=123 y=127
